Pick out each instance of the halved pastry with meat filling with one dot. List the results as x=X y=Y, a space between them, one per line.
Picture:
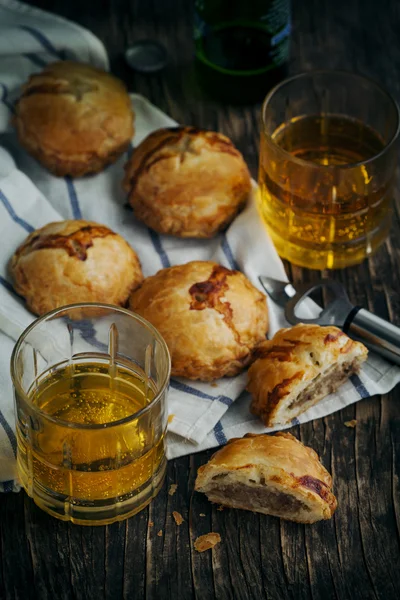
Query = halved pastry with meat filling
x=271 y=474
x=299 y=367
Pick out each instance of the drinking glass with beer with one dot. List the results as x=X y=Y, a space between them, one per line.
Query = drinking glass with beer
x=90 y=391
x=327 y=167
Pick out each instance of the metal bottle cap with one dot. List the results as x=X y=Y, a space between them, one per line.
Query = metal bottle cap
x=146 y=56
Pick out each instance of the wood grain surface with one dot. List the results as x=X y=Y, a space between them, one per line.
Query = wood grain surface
x=356 y=555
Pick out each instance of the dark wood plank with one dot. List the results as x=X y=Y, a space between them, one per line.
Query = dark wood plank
x=168 y=545
x=276 y=582
x=87 y=564
x=134 y=568
x=294 y=559
x=114 y=560
x=52 y=575
x=16 y=559
x=200 y=523
x=374 y=473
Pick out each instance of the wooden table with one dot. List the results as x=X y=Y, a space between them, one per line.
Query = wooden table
x=354 y=555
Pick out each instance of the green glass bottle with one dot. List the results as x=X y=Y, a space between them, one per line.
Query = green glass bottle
x=242 y=47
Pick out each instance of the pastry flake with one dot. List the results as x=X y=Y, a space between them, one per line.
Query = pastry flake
x=270 y=474
x=297 y=368
x=207 y=541
x=172 y=489
x=178 y=518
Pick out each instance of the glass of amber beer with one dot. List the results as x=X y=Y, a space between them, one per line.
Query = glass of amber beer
x=327 y=167
x=90 y=391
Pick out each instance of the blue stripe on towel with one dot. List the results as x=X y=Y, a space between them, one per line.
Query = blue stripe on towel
x=156 y=241
x=224 y=399
x=358 y=384
x=88 y=333
x=9 y=432
x=73 y=198
x=14 y=215
x=130 y=150
x=35 y=59
x=6 y=284
x=183 y=387
x=43 y=41
x=229 y=254
x=155 y=238
x=219 y=434
x=8 y=486
x=4 y=98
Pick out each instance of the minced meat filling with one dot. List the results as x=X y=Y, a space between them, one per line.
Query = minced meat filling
x=326 y=383
x=255 y=497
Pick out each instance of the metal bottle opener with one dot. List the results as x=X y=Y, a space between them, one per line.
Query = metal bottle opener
x=377 y=334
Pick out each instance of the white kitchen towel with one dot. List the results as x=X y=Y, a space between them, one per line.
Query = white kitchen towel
x=31 y=197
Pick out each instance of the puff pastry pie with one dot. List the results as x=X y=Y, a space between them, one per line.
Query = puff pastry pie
x=73 y=118
x=187 y=182
x=74 y=261
x=299 y=367
x=210 y=317
x=270 y=474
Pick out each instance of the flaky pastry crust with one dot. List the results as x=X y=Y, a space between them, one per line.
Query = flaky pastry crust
x=73 y=118
x=187 y=182
x=299 y=367
x=210 y=317
x=271 y=474
x=74 y=261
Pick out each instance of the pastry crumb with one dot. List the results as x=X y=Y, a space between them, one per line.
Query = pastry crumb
x=151 y=524
x=202 y=514
x=351 y=423
x=220 y=507
x=178 y=517
x=207 y=541
x=159 y=533
x=172 y=489
x=214 y=384
x=171 y=418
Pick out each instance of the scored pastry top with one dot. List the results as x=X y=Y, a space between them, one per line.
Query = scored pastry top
x=74 y=118
x=74 y=261
x=186 y=181
x=75 y=237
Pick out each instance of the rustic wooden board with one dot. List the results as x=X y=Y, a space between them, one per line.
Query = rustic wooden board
x=356 y=555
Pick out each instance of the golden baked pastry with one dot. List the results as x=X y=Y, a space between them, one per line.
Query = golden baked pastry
x=74 y=261
x=299 y=367
x=270 y=474
x=187 y=182
x=73 y=118
x=210 y=317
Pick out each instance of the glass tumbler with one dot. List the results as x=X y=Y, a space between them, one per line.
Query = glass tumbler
x=327 y=167
x=91 y=386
